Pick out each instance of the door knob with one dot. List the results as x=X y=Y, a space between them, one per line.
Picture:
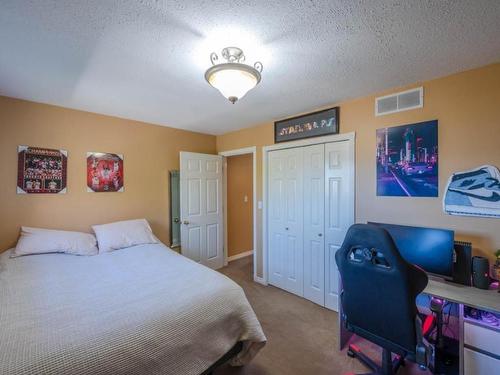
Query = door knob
x=185 y=222
x=286 y=228
x=176 y=220
x=320 y=234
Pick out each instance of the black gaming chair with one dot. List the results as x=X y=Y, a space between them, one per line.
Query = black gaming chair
x=378 y=298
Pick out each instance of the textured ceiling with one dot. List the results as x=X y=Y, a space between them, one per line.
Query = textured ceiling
x=145 y=60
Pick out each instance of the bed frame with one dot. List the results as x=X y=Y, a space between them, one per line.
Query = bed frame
x=226 y=357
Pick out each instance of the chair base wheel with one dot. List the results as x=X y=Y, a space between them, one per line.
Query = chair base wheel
x=351 y=354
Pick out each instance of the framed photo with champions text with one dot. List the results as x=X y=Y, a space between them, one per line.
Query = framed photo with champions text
x=41 y=170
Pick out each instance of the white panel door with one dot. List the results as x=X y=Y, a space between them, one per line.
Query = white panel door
x=294 y=218
x=276 y=214
x=201 y=208
x=314 y=223
x=286 y=220
x=339 y=211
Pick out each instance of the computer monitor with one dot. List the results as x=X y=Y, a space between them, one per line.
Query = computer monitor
x=429 y=248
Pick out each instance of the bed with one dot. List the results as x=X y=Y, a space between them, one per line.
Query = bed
x=140 y=310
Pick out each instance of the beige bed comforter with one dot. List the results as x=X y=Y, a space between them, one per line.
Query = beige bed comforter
x=141 y=310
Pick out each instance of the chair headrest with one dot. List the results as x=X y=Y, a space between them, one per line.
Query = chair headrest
x=370 y=243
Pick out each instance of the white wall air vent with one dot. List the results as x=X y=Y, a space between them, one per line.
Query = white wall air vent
x=400 y=101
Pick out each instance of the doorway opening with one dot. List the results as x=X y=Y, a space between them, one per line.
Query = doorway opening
x=239 y=200
x=175 y=209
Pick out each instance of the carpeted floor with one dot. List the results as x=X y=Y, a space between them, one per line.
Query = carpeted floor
x=302 y=336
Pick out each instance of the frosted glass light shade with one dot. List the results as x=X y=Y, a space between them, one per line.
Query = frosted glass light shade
x=233 y=80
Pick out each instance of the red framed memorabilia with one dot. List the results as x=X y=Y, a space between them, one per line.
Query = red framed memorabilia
x=41 y=170
x=104 y=172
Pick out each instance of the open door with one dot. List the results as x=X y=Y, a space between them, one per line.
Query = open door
x=201 y=208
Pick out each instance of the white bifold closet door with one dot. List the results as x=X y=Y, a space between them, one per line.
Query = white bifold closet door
x=311 y=201
x=339 y=211
x=286 y=220
x=314 y=223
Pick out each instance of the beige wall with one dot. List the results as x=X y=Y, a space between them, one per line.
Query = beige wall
x=149 y=153
x=467 y=106
x=239 y=213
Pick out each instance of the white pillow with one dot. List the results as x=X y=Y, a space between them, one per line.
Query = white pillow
x=122 y=234
x=41 y=241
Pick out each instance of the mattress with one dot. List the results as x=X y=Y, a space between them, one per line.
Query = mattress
x=141 y=310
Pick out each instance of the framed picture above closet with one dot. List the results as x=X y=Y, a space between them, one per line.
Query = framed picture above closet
x=325 y=122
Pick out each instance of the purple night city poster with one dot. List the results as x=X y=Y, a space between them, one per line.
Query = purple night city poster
x=407 y=160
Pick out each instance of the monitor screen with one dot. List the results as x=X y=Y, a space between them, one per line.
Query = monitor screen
x=431 y=249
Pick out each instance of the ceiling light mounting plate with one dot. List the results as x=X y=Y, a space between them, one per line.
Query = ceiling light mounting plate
x=233 y=54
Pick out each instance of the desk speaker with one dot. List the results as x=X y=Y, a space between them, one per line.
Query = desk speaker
x=480 y=272
x=462 y=263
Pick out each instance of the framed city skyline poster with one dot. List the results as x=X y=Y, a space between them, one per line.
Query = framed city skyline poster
x=41 y=170
x=407 y=160
x=104 y=172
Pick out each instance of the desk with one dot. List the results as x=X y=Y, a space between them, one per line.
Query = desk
x=462 y=295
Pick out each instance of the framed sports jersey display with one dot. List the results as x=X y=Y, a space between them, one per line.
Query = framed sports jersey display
x=41 y=170
x=104 y=172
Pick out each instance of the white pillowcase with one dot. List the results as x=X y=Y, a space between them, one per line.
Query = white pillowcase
x=42 y=241
x=122 y=234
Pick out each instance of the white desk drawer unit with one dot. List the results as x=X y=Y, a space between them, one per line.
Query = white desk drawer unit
x=485 y=339
x=486 y=360
x=476 y=363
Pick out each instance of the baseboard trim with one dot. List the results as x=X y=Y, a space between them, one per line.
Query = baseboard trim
x=239 y=256
x=259 y=280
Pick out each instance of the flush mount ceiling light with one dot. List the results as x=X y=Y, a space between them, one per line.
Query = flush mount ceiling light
x=233 y=78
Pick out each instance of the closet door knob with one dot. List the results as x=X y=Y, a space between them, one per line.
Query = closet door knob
x=286 y=228
x=185 y=222
x=320 y=234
